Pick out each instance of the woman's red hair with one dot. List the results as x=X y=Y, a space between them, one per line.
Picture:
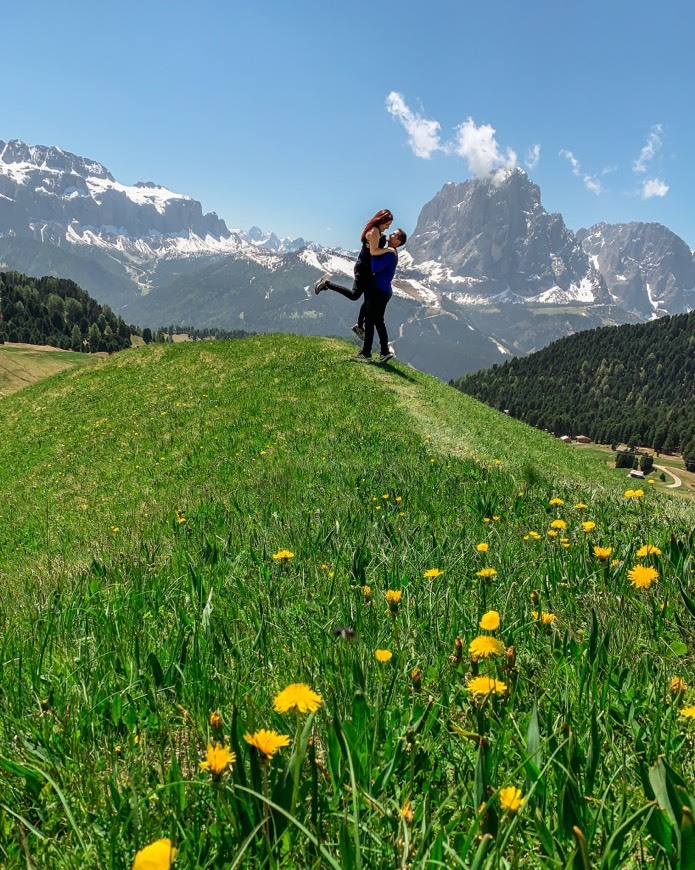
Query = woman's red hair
x=381 y=217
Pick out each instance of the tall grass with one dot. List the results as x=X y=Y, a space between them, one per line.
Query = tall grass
x=142 y=505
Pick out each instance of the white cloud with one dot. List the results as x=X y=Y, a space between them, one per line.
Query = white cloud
x=533 y=157
x=423 y=134
x=649 y=149
x=590 y=181
x=479 y=147
x=654 y=187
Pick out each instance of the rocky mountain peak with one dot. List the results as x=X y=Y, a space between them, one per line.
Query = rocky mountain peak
x=648 y=269
x=492 y=236
x=50 y=158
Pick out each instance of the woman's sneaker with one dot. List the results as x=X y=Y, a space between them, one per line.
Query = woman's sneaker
x=385 y=357
x=357 y=329
x=321 y=284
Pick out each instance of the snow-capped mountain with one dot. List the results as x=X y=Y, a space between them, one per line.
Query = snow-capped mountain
x=648 y=269
x=492 y=241
x=484 y=257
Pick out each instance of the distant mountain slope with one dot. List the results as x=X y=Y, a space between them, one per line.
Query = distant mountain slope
x=648 y=269
x=612 y=384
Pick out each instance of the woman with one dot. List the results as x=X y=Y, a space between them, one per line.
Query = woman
x=373 y=244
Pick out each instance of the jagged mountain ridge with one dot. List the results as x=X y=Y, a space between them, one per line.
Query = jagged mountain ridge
x=484 y=257
x=493 y=240
x=648 y=269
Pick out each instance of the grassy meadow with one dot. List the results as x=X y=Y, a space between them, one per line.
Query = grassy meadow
x=23 y=364
x=270 y=608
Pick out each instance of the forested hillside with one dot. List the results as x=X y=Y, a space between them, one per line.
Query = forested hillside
x=57 y=312
x=633 y=383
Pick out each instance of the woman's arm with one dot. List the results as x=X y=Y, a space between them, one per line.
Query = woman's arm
x=373 y=237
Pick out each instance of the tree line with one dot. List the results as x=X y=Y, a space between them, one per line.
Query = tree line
x=631 y=384
x=59 y=313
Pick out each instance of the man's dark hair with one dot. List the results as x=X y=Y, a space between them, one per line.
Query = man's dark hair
x=402 y=234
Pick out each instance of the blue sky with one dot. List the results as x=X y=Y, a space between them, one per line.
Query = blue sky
x=306 y=117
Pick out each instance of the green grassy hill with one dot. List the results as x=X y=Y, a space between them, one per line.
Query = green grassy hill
x=148 y=612
x=22 y=365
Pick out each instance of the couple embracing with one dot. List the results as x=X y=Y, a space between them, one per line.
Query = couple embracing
x=374 y=271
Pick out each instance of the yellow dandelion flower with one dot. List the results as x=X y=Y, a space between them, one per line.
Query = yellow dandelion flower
x=367 y=592
x=399 y=498
x=511 y=799
x=634 y=493
x=484 y=645
x=648 y=550
x=407 y=813
x=543 y=617
x=486 y=573
x=642 y=576
x=688 y=712
x=297 y=698
x=588 y=526
x=433 y=573
x=267 y=742
x=490 y=621
x=385 y=495
x=486 y=685
x=556 y=502
x=283 y=555
x=393 y=597
x=217 y=759
x=678 y=686
x=383 y=655
x=157 y=856
x=535 y=535
x=482 y=548
x=580 y=506
x=496 y=517
x=552 y=533
x=487 y=520
x=603 y=553
x=558 y=524
x=615 y=563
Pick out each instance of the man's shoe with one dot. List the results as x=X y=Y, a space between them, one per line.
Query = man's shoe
x=385 y=357
x=321 y=284
x=360 y=357
x=357 y=329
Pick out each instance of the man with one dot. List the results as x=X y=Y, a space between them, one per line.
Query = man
x=377 y=298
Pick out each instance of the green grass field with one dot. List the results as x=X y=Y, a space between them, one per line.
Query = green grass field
x=189 y=530
x=22 y=365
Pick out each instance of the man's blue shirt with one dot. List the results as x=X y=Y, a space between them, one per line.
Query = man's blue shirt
x=383 y=270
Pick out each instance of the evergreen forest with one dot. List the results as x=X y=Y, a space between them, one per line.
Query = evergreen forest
x=632 y=384
x=57 y=312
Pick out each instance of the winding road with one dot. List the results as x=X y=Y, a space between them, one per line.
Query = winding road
x=676 y=480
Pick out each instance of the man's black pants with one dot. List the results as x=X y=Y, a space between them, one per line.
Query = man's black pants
x=376 y=301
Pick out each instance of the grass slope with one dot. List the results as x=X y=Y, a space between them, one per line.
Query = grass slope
x=23 y=364
x=142 y=504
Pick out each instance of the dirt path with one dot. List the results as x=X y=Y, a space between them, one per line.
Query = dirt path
x=677 y=481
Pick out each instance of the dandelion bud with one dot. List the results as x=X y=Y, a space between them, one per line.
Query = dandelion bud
x=474 y=666
x=407 y=813
x=416 y=678
x=367 y=592
x=215 y=720
x=535 y=597
x=511 y=657
x=678 y=686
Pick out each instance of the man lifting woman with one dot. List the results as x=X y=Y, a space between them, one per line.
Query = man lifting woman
x=374 y=272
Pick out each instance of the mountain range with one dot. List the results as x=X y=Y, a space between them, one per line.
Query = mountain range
x=488 y=273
